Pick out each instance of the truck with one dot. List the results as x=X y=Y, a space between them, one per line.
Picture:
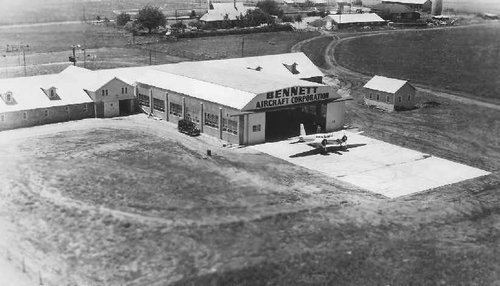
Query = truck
x=188 y=127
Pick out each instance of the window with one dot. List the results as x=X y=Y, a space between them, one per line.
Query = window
x=158 y=104
x=102 y=91
x=2 y=118
x=106 y=92
x=25 y=115
x=46 y=112
x=9 y=97
x=67 y=109
x=175 y=109
x=143 y=99
x=371 y=95
x=408 y=98
x=230 y=126
x=399 y=99
x=85 y=108
x=388 y=99
x=126 y=90
x=123 y=90
x=211 y=120
x=378 y=96
x=256 y=128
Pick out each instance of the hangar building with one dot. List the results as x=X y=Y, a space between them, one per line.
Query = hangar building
x=243 y=101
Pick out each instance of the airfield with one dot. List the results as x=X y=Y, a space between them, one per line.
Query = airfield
x=374 y=165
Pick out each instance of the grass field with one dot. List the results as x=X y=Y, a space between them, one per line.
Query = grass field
x=461 y=60
x=231 y=46
x=121 y=202
x=106 y=47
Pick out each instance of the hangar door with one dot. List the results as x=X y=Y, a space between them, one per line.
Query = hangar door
x=284 y=123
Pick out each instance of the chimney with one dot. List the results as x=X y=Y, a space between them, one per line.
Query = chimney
x=437 y=7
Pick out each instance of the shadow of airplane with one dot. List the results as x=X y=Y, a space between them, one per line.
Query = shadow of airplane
x=334 y=149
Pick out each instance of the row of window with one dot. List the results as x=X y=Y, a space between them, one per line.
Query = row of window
x=105 y=92
x=388 y=98
x=46 y=113
x=143 y=99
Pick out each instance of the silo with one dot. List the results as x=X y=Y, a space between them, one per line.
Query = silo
x=437 y=7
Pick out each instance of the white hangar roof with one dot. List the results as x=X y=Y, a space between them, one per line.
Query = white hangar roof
x=275 y=65
x=355 y=18
x=28 y=94
x=385 y=84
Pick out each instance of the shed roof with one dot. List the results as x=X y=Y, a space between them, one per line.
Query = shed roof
x=385 y=84
x=355 y=18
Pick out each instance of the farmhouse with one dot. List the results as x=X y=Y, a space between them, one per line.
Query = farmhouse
x=219 y=12
x=418 y=5
x=347 y=20
x=389 y=94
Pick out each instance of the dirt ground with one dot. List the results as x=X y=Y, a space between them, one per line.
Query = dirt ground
x=122 y=202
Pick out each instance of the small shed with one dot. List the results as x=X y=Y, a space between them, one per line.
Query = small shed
x=349 y=20
x=389 y=94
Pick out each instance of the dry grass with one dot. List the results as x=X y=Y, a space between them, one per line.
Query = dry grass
x=462 y=60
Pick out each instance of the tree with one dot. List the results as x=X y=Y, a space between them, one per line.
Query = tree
x=257 y=17
x=298 y=18
x=122 y=19
x=270 y=7
x=193 y=14
x=151 y=18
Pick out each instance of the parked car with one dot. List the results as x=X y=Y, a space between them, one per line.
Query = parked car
x=187 y=127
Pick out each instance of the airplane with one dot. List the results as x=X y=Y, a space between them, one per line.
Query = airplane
x=321 y=140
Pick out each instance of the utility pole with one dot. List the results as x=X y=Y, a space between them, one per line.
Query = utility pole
x=24 y=61
x=242 y=46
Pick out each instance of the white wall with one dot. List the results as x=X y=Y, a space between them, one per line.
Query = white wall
x=335 y=115
x=111 y=109
x=258 y=136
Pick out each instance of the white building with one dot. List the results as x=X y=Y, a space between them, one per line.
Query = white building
x=356 y=19
x=390 y=94
x=243 y=101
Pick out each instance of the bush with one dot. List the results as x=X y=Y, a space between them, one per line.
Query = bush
x=287 y=19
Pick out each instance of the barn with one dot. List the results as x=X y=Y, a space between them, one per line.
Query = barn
x=389 y=94
x=417 y=5
x=348 y=20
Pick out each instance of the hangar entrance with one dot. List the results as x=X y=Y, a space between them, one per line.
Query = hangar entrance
x=284 y=123
x=126 y=106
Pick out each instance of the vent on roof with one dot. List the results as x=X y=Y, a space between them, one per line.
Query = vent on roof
x=51 y=93
x=258 y=68
x=8 y=98
x=292 y=68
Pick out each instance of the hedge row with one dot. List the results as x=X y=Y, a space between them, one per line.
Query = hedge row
x=203 y=33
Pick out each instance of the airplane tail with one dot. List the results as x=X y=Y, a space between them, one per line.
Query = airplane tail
x=302 y=132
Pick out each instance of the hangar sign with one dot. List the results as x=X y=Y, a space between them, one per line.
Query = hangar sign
x=290 y=96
